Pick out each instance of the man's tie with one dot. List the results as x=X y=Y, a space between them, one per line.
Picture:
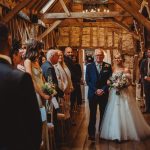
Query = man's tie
x=100 y=68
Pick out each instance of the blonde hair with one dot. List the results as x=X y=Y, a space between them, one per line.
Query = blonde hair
x=98 y=50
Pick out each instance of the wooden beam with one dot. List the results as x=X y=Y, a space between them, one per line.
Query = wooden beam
x=47 y=6
x=15 y=10
x=140 y=18
x=34 y=6
x=53 y=26
x=64 y=7
x=41 y=6
x=126 y=28
x=145 y=4
x=82 y=15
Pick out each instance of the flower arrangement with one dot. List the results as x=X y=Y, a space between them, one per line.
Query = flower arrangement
x=106 y=65
x=49 y=88
x=119 y=81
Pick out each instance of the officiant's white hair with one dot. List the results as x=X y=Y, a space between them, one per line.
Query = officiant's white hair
x=51 y=53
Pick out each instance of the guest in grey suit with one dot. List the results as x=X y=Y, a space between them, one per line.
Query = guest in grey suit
x=21 y=126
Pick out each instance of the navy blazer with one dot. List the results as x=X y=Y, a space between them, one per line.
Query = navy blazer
x=97 y=80
x=49 y=71
x=21 y=125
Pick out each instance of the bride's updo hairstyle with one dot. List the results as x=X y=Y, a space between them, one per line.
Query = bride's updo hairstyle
x=119 y=56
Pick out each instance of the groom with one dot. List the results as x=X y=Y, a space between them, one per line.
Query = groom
x=97 y=74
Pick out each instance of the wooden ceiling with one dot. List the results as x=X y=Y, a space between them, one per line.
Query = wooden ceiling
x=71 y=11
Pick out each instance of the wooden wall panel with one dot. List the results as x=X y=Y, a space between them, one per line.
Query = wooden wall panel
x=75 y=36
x=127 y=42
x=109 y=38
x=64 y=31
x=101 y=35
x=86 y=40
x=94 y=37
x=116 y=40
x=63 y=41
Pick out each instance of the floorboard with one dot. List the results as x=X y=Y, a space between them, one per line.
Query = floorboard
x=79 y=139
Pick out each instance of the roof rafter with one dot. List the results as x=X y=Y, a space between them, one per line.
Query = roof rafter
x=126 y=28
x=140 y=18
x=64 y=7
x=47 y=6
x=15 y=10
x=83 y=15
x=48 y=30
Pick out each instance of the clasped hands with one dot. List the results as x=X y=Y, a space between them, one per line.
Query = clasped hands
x=99 y=92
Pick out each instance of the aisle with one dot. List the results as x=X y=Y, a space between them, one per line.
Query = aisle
x=80 y=140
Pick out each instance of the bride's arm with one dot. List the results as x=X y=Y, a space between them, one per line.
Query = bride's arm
x=128 y=74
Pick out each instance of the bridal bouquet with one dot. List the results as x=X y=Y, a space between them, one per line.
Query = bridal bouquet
x=49 y=88
x=119 y=81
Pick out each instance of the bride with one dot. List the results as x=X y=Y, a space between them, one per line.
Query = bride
x=123 y=119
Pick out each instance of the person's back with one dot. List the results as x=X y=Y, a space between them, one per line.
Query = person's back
x=20 y=127
x=16 y=128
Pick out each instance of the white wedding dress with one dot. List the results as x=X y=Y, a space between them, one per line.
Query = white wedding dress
x=122 y=119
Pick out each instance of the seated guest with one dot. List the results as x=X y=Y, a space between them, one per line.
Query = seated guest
x=20 y=127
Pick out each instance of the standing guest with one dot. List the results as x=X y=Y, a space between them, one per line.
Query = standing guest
x=140 y=77
x=33 y=68
x=68 y=61
x=50 y=74
x=49 y=71
x=145 y=73
x=77 y=90
x=89 y=59
x=42 y=59
x=20 y=128
x=16 y=56
x=64 y=82
x=97 y=74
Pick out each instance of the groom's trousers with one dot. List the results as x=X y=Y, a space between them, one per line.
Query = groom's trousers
x=93 y=102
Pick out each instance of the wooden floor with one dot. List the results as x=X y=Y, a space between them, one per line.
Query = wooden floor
x=78 y=137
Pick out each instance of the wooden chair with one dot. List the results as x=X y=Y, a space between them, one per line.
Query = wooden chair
x=50 y=126
x=45 y=136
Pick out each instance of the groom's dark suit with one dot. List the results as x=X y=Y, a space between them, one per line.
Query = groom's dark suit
x=21 y=126
x=96 y=81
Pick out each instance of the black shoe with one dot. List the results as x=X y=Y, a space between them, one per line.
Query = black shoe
x=117 y=141
x=92 y=138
